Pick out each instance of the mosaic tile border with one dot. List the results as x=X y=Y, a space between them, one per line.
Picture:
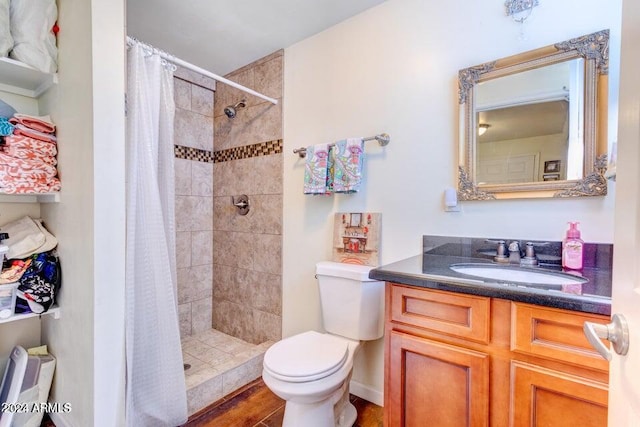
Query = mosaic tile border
x=247 y=151
x=190 y=153
x=236 y=153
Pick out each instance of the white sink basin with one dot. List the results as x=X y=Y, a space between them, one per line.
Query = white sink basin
x=513 y=274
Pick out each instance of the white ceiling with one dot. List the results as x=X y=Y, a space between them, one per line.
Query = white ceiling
x=525 y=121
x=224 y=35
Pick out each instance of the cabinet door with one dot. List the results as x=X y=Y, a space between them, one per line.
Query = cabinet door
x=435 y=384
x=545 y=398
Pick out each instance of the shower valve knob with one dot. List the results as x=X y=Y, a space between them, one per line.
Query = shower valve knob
x=242 y=203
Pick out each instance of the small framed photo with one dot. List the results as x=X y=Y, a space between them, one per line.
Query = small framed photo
x=354 y=221
x=551 y=176
x=552 y=166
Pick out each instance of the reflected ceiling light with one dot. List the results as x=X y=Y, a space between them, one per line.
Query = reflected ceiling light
x=482 y=128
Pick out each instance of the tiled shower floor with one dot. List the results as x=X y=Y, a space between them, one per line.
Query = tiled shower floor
x=220 y=364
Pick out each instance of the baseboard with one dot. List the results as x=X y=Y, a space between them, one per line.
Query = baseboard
x=58 y=419
x=367 y=393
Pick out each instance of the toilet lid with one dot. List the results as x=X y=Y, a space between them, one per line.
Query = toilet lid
x=306 y=357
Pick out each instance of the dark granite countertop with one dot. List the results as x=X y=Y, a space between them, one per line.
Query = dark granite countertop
x=431 y=270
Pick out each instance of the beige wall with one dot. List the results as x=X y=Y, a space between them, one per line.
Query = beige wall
x=247 y=266
x=394 y=69
x=194 y=202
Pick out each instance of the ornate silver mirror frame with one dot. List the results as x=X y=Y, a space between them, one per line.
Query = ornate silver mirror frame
x=594 y=49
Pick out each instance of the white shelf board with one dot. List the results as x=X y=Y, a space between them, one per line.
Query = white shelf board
x=30 y=198
x=55 y=312
x=24 y=80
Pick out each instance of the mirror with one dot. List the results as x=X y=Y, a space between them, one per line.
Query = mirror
x=535 y=124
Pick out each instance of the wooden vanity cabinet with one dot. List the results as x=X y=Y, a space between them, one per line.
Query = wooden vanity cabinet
x=462 y=360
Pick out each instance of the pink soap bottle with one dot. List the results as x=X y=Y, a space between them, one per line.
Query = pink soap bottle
x=572 y=248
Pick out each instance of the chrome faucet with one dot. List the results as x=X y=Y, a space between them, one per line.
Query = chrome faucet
x=514 y=252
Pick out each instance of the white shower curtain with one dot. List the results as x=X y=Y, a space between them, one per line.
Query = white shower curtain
x=156 y=393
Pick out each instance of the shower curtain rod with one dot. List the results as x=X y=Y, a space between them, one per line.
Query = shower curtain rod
x=189 y=66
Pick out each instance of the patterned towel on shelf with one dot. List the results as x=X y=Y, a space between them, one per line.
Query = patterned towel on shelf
x=315 y=169
x=39 y=186
x=12 y=168
x=37 y=123
x=21 y=142
x=348 y=158
x=28 y=154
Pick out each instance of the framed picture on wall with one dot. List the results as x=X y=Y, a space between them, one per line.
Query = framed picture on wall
x=551 y=176
x=552 y=166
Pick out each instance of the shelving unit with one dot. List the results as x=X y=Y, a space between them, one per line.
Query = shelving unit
x=22 y=79
x=55 y=312
x=30 y=198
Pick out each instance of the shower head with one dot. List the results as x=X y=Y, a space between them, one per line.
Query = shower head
x=231 y=110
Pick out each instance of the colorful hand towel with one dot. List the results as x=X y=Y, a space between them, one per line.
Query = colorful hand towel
x=25 y=131
x=330 y=169
x=12 y=167
x=37 y=186
x=348 y=158
x=25 y=143
x=37 y=123
x=315 y=169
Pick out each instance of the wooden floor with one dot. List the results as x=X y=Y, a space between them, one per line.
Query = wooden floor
x=256 y=406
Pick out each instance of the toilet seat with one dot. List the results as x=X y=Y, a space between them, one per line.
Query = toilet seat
x=305 y=357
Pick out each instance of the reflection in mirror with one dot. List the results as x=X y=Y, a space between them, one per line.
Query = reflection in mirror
x=531 y=122
x=527 y=122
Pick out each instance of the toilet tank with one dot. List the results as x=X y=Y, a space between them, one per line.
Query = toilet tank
x=352 y=304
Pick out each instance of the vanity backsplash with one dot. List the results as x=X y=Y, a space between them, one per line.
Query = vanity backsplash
x=548 y=253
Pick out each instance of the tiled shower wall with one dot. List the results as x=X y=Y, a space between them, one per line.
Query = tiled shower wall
x=193 y=95
x=247 y=250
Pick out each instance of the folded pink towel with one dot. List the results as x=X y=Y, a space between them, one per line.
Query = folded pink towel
x=28 y=154
x=26 y=131
x=12 y=167
x=38 y=186
x=38 y=123
x=43 y=148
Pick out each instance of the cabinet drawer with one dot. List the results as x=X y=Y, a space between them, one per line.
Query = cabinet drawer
x=463 y=316
x=555 y=334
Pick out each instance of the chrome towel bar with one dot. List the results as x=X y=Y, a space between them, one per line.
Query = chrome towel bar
x=383 y=139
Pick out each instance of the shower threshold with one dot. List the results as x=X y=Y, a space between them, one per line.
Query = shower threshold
x=219 y=365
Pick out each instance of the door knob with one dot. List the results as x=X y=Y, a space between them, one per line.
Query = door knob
x=617 y=332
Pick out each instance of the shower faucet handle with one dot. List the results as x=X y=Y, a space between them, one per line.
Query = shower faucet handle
x=242 y=203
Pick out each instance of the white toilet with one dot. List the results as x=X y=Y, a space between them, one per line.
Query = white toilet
x=312 y=370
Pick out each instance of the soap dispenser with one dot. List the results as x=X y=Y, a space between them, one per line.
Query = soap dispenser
x=572 y=248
